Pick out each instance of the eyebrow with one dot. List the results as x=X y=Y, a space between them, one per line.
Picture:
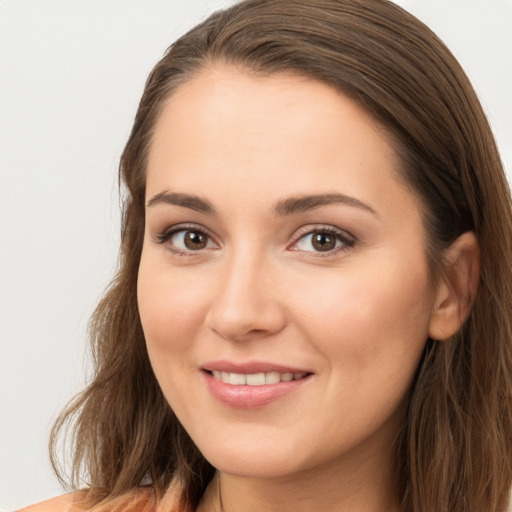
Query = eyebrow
x=284 y=207
x=184 y=200
x=300 y=204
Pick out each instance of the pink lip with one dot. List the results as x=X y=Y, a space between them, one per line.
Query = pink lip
x=245 y=396
x=250 y=367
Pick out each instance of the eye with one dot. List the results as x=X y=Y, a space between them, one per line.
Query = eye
x=185 y=240
x=324 y=240
x=190 y=240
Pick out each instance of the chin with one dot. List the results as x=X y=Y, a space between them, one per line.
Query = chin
x=259 y=459
x=250 y=466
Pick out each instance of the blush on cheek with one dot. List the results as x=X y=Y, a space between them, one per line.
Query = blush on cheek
x=369 y=313
x=164 y=332
x=168 y=309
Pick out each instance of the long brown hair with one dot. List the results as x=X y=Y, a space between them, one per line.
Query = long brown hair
x=455 y=450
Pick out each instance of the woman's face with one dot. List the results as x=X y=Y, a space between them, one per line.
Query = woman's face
x=280 y=245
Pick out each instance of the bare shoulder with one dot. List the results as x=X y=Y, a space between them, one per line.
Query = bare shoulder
x=66 y=503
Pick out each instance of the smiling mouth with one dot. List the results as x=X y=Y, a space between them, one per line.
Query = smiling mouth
x=253 y=386
x=255 y=379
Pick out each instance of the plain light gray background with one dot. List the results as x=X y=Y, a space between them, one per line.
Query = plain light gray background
x=71 y=74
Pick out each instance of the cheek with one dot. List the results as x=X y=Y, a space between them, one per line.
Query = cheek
x=170 y=305
x=370 y=328
x=361 y=319
x=170 y=308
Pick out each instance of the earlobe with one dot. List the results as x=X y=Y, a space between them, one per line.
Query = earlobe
x=457 y=288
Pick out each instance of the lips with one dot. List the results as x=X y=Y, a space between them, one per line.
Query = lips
x=254 y=384
x=251 y=367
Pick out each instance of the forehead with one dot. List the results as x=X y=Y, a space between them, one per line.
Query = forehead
x=282 y=133
x=248 y=100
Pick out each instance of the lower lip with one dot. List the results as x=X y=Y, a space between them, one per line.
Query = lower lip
x=249 y=397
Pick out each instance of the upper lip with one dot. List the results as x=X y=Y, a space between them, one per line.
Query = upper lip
x=251 y=367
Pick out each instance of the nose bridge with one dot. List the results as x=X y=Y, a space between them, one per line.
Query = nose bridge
x=245 y=303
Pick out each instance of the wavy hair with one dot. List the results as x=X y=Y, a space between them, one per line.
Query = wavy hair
x=455 y=450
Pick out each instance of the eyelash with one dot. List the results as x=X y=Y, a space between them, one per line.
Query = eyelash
x=348 y=241
x=167 y=234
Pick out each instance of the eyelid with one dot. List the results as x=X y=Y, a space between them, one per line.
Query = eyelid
x=348 y=240
x=344 y=236
x=162 y=237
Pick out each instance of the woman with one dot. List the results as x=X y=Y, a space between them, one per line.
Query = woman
x=312 y=307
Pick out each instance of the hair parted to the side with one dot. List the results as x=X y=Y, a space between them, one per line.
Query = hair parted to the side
x=455 y=451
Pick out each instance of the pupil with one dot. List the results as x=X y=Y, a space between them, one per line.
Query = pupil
x=195 y=240
x=323 y=242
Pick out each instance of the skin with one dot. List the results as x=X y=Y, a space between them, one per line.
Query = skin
x=356 y=317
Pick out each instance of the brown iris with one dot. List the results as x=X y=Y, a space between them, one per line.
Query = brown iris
x=195 y=240
x=323 y=241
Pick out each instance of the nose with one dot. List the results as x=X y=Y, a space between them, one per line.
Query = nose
x=246 y=304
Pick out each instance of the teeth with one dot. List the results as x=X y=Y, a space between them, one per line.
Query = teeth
x=238 y=379
x=272 y=378
x=256 y=379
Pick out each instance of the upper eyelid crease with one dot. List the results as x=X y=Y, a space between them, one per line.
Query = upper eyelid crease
x=171 y=230
x=340 y=234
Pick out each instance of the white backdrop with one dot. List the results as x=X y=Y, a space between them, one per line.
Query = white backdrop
x=71 y=73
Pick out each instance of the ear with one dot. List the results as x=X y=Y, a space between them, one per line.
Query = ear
x=457 y=288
